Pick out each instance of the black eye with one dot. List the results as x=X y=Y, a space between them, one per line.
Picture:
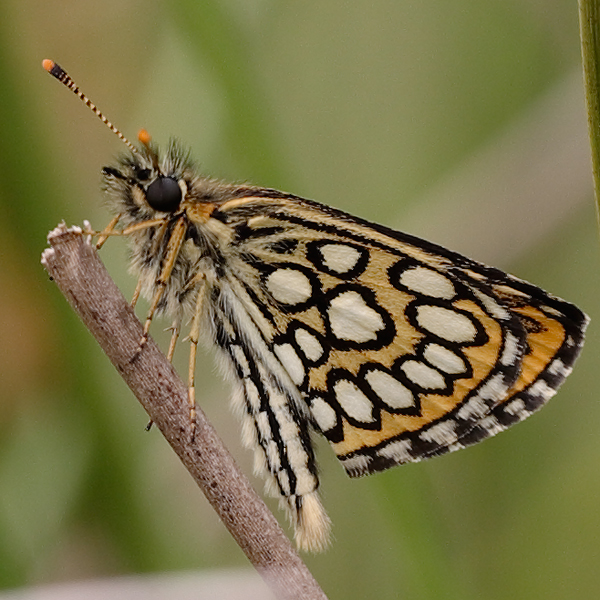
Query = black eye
x=164 y=194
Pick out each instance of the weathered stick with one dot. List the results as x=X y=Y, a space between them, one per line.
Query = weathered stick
x=77 y=270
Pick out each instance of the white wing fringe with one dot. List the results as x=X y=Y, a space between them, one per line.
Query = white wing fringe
x=312 y=525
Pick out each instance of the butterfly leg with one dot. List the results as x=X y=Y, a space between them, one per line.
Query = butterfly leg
x=136 y=293
x=107 y=231
x=172 y=251
x=110 y=231
x=175 y=330
x=193 y=337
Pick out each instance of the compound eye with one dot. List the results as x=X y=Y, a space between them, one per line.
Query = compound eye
x=164 y=194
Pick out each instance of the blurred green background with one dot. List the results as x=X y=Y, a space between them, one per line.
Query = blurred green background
x=457 y=120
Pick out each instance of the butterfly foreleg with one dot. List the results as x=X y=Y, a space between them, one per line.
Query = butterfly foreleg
x=111 y=231
x=107 y=231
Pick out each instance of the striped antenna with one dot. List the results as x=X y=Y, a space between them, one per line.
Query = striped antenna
x=60 y=74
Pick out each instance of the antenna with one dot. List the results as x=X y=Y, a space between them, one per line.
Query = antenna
x=59 y=73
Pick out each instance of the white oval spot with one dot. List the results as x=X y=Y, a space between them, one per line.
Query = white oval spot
x=446 y=323
x=444 y=359
x=284 y=482
x=296 y=454
x=289 y=286
x=323 y=413
x=352 y=319
x=428 y=282
x=423 y=376
x=264 y=427
x=512 y=351
x=496 y=310
x=291 y=361
x=273 y=458
x=305 y=484
x=252 y=395
x=287 y=427
x=353 y=401
x=309 y=344
x=390 y=390
x=240 y=359
x=339 y=258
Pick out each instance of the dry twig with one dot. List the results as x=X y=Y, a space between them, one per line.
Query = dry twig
x=77 y=270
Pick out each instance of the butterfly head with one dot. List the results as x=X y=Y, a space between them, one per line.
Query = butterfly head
x=145 y=182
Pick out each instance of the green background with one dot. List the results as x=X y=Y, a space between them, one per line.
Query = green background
x=458 y=120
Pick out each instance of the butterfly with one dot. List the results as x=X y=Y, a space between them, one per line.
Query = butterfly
x=391 y=347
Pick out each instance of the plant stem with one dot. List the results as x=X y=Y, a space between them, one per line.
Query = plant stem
x=589 y=27
x=82 y=278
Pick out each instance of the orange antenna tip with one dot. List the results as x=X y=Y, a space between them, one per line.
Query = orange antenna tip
x=144 y=137
x=48 y=64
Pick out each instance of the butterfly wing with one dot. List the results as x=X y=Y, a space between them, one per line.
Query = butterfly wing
x=401 y=349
